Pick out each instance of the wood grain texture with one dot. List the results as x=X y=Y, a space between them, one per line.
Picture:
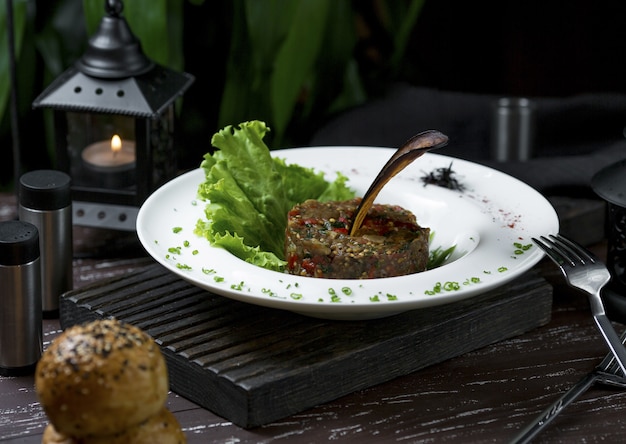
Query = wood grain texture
x=254 y=365
x=482 y=396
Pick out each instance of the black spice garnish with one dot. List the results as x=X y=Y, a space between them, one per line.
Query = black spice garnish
x=443 y=177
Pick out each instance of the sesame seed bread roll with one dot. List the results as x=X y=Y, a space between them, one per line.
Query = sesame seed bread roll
x=101 y=379
x=162 y=428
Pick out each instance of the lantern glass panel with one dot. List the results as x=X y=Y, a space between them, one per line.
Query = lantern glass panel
x=163 y=155
x=101 y=151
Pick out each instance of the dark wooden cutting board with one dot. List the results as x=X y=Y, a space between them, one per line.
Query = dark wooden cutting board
x=253 y=365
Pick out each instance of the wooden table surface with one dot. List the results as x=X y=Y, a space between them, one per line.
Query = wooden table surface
x=483 y=396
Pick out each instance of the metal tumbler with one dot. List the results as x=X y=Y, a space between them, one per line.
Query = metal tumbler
x=512 y=129
x=45 y=201
x=20 y=298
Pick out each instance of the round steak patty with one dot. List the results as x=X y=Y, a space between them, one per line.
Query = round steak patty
x=389 y=243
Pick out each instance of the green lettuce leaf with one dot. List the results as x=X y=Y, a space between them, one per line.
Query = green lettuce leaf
x=249 y=193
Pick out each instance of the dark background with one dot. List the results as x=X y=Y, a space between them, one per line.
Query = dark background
x=568 y=57
x=553 y=49
x=527 y=48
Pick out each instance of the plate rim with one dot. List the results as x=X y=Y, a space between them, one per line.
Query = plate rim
x=344 y=310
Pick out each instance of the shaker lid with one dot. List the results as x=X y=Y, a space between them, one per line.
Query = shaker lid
x=610 y=183
x=45 y=190
x=19 y=242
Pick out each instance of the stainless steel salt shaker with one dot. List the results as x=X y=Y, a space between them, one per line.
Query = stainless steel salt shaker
x=20 y=298
x=45 y=201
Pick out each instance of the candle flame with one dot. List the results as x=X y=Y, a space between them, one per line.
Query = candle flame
x=116 y=144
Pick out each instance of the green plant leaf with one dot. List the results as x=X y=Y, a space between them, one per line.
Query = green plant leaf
x=291 y=63
x=407 y=18
x=49 y=46
x=19 y=26
x=93 y=10
x=335 y=82
x=149 y=22
x=239 y=94
x=265 y=40
x=295 y=60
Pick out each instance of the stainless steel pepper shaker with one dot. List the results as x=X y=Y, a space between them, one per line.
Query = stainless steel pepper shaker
x=45 y=201
x=20 y=298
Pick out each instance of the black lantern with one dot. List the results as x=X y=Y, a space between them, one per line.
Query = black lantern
x=114 y=124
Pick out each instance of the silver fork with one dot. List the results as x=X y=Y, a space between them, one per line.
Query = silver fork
x=583 y=271
x=607 y=372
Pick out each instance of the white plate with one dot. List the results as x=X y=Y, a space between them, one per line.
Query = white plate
x=491 y=223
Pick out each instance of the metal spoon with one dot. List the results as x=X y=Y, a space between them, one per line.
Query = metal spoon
x=413 y=148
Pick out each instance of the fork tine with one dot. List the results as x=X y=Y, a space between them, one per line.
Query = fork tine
x=568 y=249
x=577 y=249
x=553 y=253
x=609 y=364
x=613 y=368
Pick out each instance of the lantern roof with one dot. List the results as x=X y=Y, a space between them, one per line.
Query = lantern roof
x=114 y=75
x=146 y=95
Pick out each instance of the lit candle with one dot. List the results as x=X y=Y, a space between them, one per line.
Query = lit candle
x=112 y=162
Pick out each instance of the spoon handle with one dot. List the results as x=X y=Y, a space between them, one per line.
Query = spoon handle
x=413 y=148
